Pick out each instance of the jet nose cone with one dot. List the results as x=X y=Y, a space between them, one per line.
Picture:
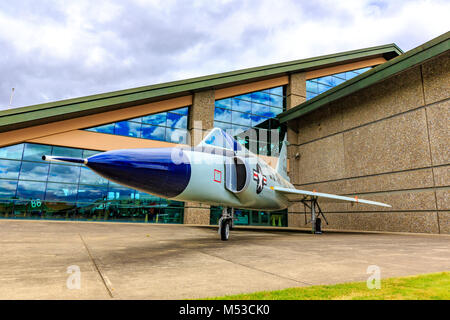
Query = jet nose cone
x=164 y=172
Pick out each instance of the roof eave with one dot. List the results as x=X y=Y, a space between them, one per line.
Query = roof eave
x=48 y=112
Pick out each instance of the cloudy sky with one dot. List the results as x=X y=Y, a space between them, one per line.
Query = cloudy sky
x=52 y=50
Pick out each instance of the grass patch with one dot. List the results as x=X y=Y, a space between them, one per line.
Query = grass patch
x=434 y=286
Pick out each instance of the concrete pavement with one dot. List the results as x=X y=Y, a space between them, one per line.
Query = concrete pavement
x=149 y=261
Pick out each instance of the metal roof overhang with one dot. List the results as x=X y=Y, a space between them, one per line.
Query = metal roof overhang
x=23 y=117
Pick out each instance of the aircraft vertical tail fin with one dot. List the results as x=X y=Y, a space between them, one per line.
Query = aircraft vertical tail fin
x=281 y=167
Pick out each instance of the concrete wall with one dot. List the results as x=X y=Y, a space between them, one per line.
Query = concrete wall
x=201 y=119
x=389 y=143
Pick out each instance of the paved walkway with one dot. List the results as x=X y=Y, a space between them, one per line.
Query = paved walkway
x=147 y=261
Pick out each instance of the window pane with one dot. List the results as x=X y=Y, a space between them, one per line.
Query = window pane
x=238 y=129
x=275 y=111
x=261 y=97
x=176 y=135
x=311 y=86
x=222 y=115
x=91 y=194
x=176 y=120
x=34 y=171
x=241 y=118
x=277 y=90
x=222 y=125
x=153 y=132
x=184 y=111
x=261 y=110
x=117 y=192
x=126 y=128
x=310 y=95
x=35 y=152
x=145 y=199
x=328 y=80
x=338 y=81
x=323 y=88
x=67 y=152
x=224 y=103
x=7 y=189
x=63 y=173
x=107 y=128
x=156 y=119
x=272 y=112
x=276 y=101
x=61 y=192
x=247 y=97
x=138 y=120
x=87 y=176
x=9 y=169
x=257 y=120
x=350 y=74
x=88 y=153
x=241 y=105
x=31 y=190
x=340 y=75
x=12 y=152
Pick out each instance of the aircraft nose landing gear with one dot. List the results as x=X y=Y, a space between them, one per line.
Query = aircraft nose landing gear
x=226 y=223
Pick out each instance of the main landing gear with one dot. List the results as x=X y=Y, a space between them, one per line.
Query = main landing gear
x=313 y=205
x=226 y=223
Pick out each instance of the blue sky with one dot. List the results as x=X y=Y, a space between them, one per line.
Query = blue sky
x=54 y=50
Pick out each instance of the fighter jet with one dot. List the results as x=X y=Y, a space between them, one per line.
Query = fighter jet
x=219 y=171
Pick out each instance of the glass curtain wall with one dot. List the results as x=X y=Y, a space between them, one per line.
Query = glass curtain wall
x=316 y=86
x=252 y=217
x=33 y=188
x=250 y=118
x=170 y=126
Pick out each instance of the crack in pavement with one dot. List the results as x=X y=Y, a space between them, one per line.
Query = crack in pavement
x=256 y=269
x=103 y=277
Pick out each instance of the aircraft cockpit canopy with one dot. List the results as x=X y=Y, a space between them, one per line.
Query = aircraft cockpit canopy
x=219 y=138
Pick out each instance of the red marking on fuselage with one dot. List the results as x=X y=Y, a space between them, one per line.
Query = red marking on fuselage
x=217 y=176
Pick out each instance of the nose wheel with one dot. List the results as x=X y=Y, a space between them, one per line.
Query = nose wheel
x=226 y=223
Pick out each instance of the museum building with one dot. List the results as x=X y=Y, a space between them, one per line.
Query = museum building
x=370 y=122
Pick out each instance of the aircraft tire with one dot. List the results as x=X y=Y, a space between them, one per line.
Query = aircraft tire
x=224 y=230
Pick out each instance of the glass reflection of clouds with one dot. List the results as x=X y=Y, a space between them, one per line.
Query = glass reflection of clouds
x=153 y=132
x=157 y=126
x=241 y=118
x=34 y=171
x=61 y=192
x=87 y=176
x=8 y=189
x=249 y=111
x=128 y=128
x=241 y=105
x=319 y=85
x=63 y=173
x=32 y=188
x=176 y=135
x=9 y=169
x=12 y=152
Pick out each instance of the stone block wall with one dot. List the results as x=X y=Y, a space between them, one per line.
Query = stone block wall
x=389 y=142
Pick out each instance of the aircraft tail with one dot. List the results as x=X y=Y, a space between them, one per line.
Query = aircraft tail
x=281 y=167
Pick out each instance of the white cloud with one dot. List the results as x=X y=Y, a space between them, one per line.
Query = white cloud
x=58 y=49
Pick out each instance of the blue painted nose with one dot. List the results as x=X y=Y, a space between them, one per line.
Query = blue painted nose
x=164 y=172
